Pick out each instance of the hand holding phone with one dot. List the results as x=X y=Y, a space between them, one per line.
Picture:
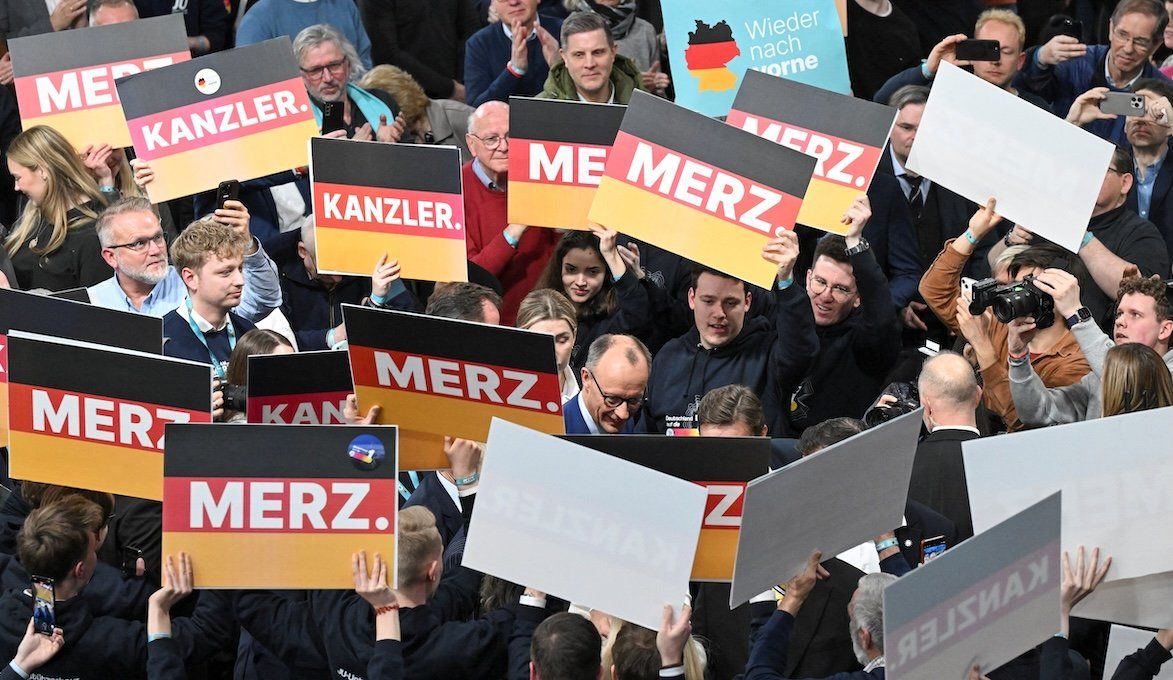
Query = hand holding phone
x=1123 y=103
x=978 y=50
x=227 y=191
x=44 y=618
x=332 y=118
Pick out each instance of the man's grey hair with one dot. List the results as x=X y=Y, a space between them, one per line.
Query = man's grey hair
x=868 y=611
x=909 y=94
x=482 y=111
x=604 y=342
x=585 y=22
x=312 y=36
x=95 y=5
x=133 y=204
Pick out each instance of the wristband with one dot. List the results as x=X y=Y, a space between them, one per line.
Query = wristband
x=886 y=543
x=676 y=671
x=107 y=188
x=330 y=338
x=1087 y=238
x=924 y=70
x=387 y=609
x=970 y=237
x=1019 y=360
x=514 y=71
x=785 y=283
x=151 y=637
x=465 y=481
x=379 y=300
x=509 y=239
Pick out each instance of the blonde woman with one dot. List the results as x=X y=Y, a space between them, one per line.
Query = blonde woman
x=548 y=311
x=1136 y=378
x=53 y=244
x=634 y=649
x=429 y=121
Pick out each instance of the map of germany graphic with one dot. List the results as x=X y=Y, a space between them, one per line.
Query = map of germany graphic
x=709 y=49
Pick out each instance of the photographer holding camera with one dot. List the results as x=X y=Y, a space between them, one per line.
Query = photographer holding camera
x=1143 y=316
x=1057 y=356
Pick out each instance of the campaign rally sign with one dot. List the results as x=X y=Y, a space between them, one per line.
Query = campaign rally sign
x=309 y=496
x=719 y=42
x=557 y=153
x=405 y=200
x=92 y=416
x=845 y=135
x=66 y=79
x=700 y=188
x=236 y=114
x=983 y=602
x=306 y=388
x=439 y=377
x=723 y=465
x=66 y=319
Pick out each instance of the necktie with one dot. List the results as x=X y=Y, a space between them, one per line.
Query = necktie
x=916 y=201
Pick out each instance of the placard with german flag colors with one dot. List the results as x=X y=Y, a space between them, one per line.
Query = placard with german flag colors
x=557 y=153
x=67 y=319
x=438 y=377
x=237 y=114
x=723 y=465
x=304 y=388
x=845 y=135
x=405 y=200
x=700 y=188
x=92 y=416
x=305 y=496
x=66 y=79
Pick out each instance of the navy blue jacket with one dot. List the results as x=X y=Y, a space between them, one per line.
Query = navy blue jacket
x=891 y=235
x=263 y=220
x=767 y=659
x=182 y=343
x=487 y=52
x=576 y=424
x=1160 y=204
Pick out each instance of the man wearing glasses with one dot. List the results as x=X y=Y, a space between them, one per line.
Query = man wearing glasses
x=1064 y=68
x=614 y=380
x=144 y=283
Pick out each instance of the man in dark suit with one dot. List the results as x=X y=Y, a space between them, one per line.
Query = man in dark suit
x=614 y=382
x=1151 y=195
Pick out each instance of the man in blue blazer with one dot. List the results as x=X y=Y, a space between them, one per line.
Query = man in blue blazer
x=614 y=382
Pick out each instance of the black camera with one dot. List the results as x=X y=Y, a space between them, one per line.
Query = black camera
x=235 y=397
x=1014 y=301
x=907 y=401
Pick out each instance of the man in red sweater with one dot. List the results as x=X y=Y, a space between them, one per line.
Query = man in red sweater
x=514 y=253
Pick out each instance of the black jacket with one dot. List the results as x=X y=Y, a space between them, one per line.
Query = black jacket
x=1143 y=664
x=1132 y=239
x=938 y=477
x=423 y=37
x=632 y=316
x=1160 y=204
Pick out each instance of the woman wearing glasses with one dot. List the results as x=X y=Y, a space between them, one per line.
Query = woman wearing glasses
x=53 y=244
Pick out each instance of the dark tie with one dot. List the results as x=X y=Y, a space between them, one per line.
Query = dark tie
x=916 y=201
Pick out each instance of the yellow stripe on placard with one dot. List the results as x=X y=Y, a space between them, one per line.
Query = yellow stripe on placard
x=86 y=465
x=4 y=414
x=356 y=251
x=98 y=125
x=550 y=205
x=716 y=552
x=825 y=204
x=689 y=233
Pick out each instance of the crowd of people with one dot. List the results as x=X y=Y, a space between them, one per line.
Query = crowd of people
x=928 y=300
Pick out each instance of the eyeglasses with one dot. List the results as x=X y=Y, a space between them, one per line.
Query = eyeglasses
x=633 y=404
x=1142 y=44
x=840 y=293
x=141 y=244
x=336 y=69
x=492 y=141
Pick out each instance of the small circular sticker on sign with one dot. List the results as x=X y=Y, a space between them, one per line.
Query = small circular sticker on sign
x=207 y=81
x=366 y=452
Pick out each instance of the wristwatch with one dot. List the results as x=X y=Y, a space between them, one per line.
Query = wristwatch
x=1082 y=314
x=862 y=246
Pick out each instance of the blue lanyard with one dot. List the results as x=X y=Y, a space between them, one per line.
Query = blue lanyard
x=195 y=328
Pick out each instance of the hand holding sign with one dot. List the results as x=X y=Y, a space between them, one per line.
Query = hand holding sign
x=1080 y=582
x=673 y=636
x=386 y=272
x=856 y=218
x=615 y=262
x=372 y=586
x=800 y=586
x=783 y=252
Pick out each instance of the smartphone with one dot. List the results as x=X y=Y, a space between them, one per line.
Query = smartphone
x=43 y=619
x=332 y=117
x=979 y=50
x=967 y=287
x=1123 y=104
x=931 y=549
x=227 y=191
x=130 y=557
x=1072 y=28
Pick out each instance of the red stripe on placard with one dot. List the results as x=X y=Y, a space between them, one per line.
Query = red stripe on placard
x=45 y=94
x=562 y=163
x=280 y=506
x=710 y=55
x=462 y=380
x=840 y=161
x=3 y=358
x=724 y=505
x=221 y=119
x=389 y=211
x=323 y=408
x=94 y=418
x=701 y=186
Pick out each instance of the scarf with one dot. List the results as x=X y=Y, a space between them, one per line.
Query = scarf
x=370 y=105
x=619 y=18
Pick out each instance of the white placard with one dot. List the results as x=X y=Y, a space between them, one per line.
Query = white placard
x=979 y=141
x=583 y=525
x=829 y=501
x=983 y=602
x=1125 y=640
x=1140 y=601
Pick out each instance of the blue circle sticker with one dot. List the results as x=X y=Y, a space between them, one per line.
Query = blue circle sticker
x=366 y=452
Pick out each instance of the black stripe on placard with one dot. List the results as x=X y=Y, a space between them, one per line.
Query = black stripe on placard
x=98 y=45
x=108 y=372
x=450 y=338
x=717 y=144
x=243 y=68
x=553 y=120
x=695 y=459
x=408 y=167
x=302 y=373
x=814 y=108
x=71 y=320
x=275 y=451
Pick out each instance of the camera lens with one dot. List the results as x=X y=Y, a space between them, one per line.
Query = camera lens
x=1015 y=304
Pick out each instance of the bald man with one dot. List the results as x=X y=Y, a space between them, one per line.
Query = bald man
x=614 y=383
x=950 y=395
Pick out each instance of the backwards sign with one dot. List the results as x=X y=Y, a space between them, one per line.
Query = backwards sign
x=236 y=114
x=723 y=465
x=305 y=388
x=436 y=377
x=983 y=602
x=66 y=79
x=401 y=199
x=845 y=135
x=92 y=417
x=557 y=153
x=312 y=495
x=700 y=188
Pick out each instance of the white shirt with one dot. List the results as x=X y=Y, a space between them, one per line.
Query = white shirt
x=901 y=173
x=875 y=663
x=454 y=493
x=570 y=388
x=963 y=428
x=864 y=556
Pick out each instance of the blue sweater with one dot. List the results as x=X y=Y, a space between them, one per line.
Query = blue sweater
x=487 y=52
x=275 y=18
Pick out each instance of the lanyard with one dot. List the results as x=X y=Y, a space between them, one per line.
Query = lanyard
x=195 y=328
